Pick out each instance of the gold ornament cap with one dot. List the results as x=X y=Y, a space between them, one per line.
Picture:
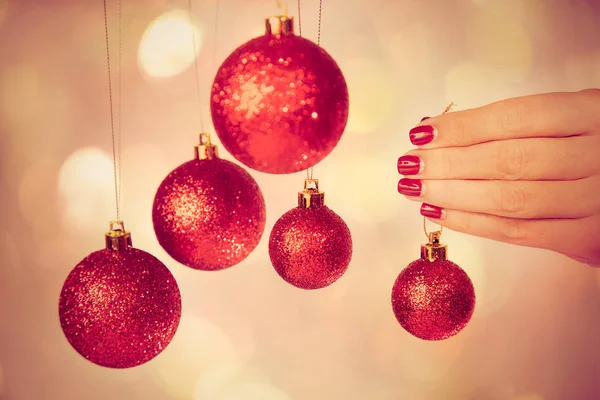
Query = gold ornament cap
x=117 y=238
x=206 y=150
x=279 y=25
x=434 y=250
x=311 y=196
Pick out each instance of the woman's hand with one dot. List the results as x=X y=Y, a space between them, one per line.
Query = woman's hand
x=524 y=171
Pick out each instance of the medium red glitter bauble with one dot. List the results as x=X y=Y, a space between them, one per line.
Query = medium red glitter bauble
x=209 y=214
x=279 y=103
x=433 y=300
x=120 y=308
x=310 y=248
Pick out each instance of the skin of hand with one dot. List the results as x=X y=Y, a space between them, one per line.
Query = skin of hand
x=524 y=171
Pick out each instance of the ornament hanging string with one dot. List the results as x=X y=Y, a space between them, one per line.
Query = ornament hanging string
x=309 y=172
x=116 y=144
x=448 y=108
x=299 y=20
x=119 y=97
x=196 y=68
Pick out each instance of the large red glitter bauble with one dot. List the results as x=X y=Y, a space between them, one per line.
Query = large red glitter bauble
x=433 y=300
x=310 y=248
x=279 y=104
x=209 y=214
x=120 y=309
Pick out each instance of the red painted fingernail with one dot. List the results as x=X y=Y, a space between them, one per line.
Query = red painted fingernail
x=410 y=187
x=424 y=118
x=409 y=165
x=428 y=210
x=421 y=135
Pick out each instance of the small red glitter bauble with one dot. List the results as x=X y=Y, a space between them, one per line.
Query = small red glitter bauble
x=279 y=103
x=209 y=214
x=120 y=308
x=310 y=248
x=433 y=300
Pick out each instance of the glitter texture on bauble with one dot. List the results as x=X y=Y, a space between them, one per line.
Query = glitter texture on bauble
x=433 y=298
x=209 y=213
x=120 y=306
x=279 y=102
x=310 y=246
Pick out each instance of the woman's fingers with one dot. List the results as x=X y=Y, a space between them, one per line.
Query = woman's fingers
x=571 y=237
x=543 y=115
x=515 y=199
x=516 y=159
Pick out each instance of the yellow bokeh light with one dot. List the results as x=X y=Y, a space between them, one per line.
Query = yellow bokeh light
x=199 y=348
x=373 y=191
x=371 y=97
x=431 y=361
x=167 y=47
x=420 y=42
x=85 y=184
x=213 y=381
x=464 y=251
x=498 y=40
x=251 y=391
x=474 y=84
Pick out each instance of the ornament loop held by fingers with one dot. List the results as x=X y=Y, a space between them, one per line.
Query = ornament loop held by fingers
x=311 y=196
x=206 y=150
x=428 y=234
x=117 y=238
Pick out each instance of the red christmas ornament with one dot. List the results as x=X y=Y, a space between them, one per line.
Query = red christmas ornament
x=120 y=306
x=279 y=102
x=208 y=213
x=433 y=298
x=310 y=246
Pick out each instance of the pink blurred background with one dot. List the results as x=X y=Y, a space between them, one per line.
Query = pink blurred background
x=245 y=333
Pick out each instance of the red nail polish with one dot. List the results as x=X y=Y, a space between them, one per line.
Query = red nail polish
x=421 y=135
x=410 y=187
x=424 y=118
x=409 y=165
x=428 y=210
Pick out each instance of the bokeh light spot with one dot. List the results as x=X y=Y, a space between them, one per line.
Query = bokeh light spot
x=499 y=41
x=430 y=361
x=366 y=176
x=472 y=84
x=85 y=184
x=252 y=391
x=167 y=46
x=371 y=98
x=199 y=348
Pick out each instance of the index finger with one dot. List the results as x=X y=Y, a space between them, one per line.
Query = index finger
x=543 y=115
